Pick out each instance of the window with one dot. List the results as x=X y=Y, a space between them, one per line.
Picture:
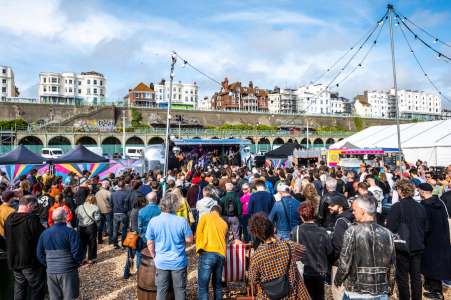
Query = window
x=89 y=81
x=4 y=80
x=44 y=79
x=79 y=82
x=54 y=80
x=79 y=91
x=70 y=81
x=45 y=89
x=101 y=82
x=95 y=81
x=3 y=89
x=65 y=81
x=54 y=89
x=4 y=71
x=70 y=90
x=95 y=91
x=88 y=91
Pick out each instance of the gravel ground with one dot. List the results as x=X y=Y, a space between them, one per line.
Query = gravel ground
x=104 y=281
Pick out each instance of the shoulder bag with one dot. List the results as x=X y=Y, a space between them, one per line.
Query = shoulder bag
x=402 y=242
x=280 y=287
x=131 y=240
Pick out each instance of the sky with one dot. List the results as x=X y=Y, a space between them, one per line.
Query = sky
x=285 y=43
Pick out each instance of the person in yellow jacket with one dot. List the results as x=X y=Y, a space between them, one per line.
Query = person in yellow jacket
x=184 y=210
x=211 y=247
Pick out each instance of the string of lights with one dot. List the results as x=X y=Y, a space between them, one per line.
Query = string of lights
x=417 y=37
x=187 y=63
x=344 y=55
x=421 y=66
x=360 y=64
x=434 y=38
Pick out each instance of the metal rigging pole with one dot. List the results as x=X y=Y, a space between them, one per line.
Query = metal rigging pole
x=395 y=84
x=168 y=120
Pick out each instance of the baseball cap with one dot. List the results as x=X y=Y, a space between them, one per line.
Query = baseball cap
x=425 y=187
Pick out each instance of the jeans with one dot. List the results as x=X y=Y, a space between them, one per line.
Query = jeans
x=162 y=281
x=33 y=278
x=408 y=270
x=315 y=286
x=285 y=235
x=119 y=219
x=106 y=219
x=234 y=226
x=210 y=265
x=244 y=220
x=131 y=254
x=88 y=240
x=64 y=286
x=380 y=297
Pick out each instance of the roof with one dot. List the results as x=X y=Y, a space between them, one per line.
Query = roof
x=21 y=155
x=142 y=87
x=283 y=151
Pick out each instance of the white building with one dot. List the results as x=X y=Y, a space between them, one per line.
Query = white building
x=316 y=99
x=412 y=105
x=184 y=95
x=375 y=104
x=418 y=105
x=282 y=101
x=204 y=103
x=7 y=85
x=446 y=114
x=72 y=88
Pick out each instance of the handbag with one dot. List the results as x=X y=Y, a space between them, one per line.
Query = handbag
x=280 y=287
x=402 y=242
x=131 y=240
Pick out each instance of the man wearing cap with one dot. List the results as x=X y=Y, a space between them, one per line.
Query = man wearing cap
x=344 y=218
x=436 y=259
x=284 y=213
x=325 y=218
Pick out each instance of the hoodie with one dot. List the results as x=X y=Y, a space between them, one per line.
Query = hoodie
x=204 y=205
x=22 y=231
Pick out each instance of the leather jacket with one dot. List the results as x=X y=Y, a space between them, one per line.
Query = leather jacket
x=367 y=261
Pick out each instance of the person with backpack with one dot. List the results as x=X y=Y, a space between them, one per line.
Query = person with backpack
x=407 y=219
x=231 y=209
x=318 y=247
x=285 y=213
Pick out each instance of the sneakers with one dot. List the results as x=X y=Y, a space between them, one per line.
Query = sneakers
x=132 y=266
x=433 y=295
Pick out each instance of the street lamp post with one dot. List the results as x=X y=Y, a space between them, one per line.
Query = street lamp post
x=168 y=118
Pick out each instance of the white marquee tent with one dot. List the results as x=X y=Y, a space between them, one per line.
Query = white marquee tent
x=428 y=141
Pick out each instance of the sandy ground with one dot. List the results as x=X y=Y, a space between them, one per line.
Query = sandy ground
x=104 y=281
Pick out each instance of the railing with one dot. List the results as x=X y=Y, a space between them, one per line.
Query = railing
x=183 y=132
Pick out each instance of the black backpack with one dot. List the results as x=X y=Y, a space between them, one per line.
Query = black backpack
x=230 y=207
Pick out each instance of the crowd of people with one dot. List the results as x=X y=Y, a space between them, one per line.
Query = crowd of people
x=358 y=231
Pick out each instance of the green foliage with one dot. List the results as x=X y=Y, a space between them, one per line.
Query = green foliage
x=136 y=118
x=415 y=120
x=358 y=122
x=243 y=127
x=330 y=129
x=13 y=124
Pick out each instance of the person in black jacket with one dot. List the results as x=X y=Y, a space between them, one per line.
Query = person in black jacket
x=344 y=219
x=318 y=247
x=22 y=231
x=325 y=218
x=436 y=260
x=410 y=212
x=121 y=206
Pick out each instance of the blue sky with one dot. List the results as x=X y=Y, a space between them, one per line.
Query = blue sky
x=286 y=43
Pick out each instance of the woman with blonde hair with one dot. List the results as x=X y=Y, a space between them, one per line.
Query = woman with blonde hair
x=183 y=207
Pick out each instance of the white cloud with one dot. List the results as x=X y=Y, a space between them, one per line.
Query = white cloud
x=275 y=17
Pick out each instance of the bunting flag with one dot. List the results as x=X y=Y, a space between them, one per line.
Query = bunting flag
x=235 y=263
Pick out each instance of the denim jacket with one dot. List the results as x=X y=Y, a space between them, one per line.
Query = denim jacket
x=366 y=263
x=279 y=217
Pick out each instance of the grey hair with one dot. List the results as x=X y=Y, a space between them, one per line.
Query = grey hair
x=229 y=187
x=151 y=197
x=170 y=203
x=331 y=184
x=367 y=204
x=59 y=215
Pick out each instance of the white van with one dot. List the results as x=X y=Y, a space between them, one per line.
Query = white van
x=134 y=152
x=51 y=152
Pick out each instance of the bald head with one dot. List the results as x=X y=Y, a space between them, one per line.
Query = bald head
x=59 y=215
x=151 y=197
